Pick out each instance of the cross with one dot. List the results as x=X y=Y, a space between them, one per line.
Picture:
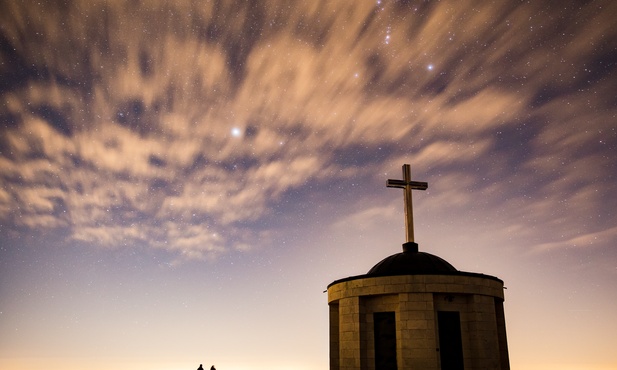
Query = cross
x=407 y=185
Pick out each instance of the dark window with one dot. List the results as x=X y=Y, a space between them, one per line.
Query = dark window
x=450 y=342
x=385 y=340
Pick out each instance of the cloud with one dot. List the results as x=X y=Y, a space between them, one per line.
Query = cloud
x=587 y=240
x=451 y=153
x=366 y=218
x=118 y=118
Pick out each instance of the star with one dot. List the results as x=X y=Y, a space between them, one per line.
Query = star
x=236 y=132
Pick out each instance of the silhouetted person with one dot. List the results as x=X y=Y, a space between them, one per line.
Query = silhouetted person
x=212 y=367
x=200 y=367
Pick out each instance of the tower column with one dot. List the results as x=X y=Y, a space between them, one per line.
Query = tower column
x=484 y=339
x=334 y=336
x=416 y=337
x=352 y=346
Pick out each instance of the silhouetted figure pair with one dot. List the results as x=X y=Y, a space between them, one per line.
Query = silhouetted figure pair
x=201 y=367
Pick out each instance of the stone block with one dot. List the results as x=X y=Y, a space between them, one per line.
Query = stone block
x=416 y=324
x=414 y=306
x=436 y=287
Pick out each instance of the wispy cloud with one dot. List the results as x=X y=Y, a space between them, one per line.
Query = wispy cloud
x=117 y=123
x=587 y=240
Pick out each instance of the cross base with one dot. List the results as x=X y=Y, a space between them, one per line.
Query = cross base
x=410 y=247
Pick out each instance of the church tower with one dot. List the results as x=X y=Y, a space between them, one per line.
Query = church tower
x=414 y=310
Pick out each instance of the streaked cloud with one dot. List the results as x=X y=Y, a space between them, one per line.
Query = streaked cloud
x=117 y=123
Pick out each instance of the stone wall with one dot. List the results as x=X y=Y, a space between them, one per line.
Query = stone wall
x=415 y=300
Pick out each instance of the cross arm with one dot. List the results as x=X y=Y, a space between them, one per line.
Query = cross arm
x=417 y=185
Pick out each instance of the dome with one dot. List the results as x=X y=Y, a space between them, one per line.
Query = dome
x=410 y=262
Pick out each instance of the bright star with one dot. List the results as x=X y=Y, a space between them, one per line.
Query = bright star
x=236 y=132
x=430 y=67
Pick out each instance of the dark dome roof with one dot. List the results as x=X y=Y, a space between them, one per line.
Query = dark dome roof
x=410 y=262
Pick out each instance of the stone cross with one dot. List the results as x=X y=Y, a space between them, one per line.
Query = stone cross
x=407 y=185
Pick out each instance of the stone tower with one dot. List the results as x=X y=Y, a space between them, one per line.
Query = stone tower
x=414 y=310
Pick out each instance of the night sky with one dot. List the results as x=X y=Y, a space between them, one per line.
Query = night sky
x=179 y=182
